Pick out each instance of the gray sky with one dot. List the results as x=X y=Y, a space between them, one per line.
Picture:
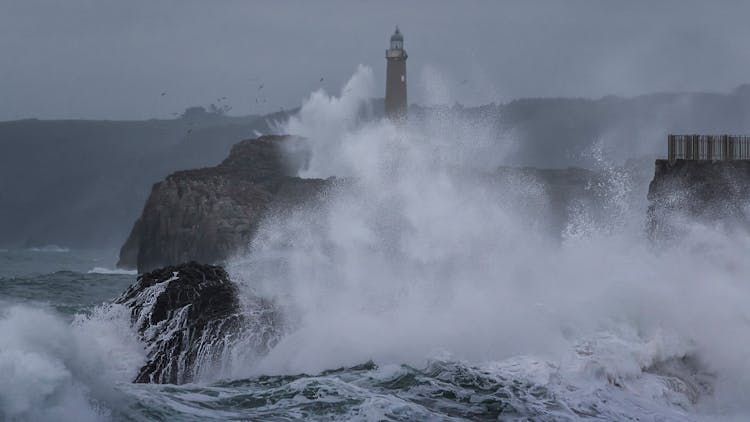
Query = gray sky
x=113 y=58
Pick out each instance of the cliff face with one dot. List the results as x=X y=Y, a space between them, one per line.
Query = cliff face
x=704 y=191
x=209 y=214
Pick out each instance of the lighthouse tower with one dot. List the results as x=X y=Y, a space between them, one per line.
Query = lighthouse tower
x=395 y=80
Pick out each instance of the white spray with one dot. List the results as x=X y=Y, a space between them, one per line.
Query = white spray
x=424 y=250
x=53 y=370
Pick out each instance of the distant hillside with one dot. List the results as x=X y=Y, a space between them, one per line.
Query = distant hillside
x=562 y=132
x=82 y=184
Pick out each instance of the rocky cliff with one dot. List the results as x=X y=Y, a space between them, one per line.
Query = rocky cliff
x=209 y=214
x=714 y=192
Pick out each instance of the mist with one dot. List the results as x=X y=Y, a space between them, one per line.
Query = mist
x=423 y=253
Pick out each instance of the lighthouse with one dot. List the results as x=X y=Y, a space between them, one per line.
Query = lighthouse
x=395 y=79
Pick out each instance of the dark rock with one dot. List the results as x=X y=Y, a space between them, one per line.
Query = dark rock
x=208 y=215
x=714 y=192
x=189 y=316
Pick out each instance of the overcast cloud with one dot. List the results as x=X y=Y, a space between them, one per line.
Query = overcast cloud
x=113 y=59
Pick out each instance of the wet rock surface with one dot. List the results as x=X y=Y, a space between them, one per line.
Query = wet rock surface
x=189 y=317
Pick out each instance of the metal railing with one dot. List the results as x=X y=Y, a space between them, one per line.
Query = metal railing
x=708 y=147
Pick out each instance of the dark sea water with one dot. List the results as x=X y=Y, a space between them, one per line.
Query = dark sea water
x=68 y=282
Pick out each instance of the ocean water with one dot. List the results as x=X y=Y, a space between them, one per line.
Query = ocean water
x=66 y=281
x=65 y=354
x=423 y=289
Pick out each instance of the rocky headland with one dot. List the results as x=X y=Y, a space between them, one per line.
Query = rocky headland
x=209 y=214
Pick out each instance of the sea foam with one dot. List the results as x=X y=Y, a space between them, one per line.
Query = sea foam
x=112 y=271
x=54 y=371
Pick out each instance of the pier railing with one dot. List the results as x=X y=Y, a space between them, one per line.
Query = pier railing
x=708 y=147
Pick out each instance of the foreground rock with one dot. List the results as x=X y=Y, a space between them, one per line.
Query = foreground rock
x=190 y=318
x=683 y=192
x=208 y=215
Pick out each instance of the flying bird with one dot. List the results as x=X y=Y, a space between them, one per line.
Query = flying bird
x=163 y=94
x=321 y=79
x=260 y=87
